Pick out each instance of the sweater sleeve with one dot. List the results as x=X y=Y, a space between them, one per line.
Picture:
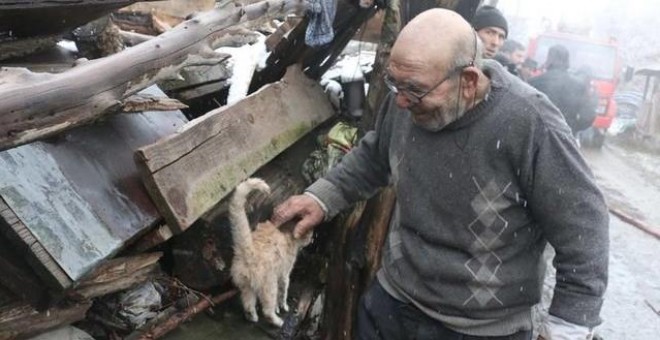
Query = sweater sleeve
x=571 y=210
x=362 y=171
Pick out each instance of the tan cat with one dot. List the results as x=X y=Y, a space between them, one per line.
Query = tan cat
x=263 y=258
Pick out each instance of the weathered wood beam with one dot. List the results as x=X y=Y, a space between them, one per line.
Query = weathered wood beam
x=155 y=237
x=23 y=321
x=25 y=4
x=21 y=19
x=33 y=251
x=132 y=38
x=190 y=172
x=117 y=275
x=339 y=314
x=18 y=278
x=35 y=106
x=147 y=102
x=293 y=50
x=377 y=218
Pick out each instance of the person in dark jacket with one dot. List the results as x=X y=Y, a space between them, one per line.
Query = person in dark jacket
x=511 y=56
x=527 y=69
x=571 y=95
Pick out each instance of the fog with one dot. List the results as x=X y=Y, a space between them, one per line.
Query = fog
x=632 y=23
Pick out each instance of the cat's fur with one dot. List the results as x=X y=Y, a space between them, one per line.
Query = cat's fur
x=263 y=258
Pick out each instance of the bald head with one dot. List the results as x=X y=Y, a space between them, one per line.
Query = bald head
x=436 y=37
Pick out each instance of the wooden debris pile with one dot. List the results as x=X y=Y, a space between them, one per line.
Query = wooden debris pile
x=108 y=188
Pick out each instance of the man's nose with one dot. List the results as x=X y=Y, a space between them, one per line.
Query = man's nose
x=402 y=101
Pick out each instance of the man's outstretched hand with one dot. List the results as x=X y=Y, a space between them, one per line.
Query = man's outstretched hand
x=303 y=208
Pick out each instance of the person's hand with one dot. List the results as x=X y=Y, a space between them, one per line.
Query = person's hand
x=302 y=207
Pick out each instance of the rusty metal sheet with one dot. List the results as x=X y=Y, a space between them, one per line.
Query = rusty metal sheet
x=80 y=194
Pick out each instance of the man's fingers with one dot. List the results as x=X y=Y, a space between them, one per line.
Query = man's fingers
x=302 y=207
x=302 y=228
x=311 y=219
x=283 y=213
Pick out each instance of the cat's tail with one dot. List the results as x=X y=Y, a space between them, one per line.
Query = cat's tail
x=240 y=226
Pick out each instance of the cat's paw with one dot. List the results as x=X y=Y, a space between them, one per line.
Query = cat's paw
x=251 y=316
x=275 y=320
x=284 y=307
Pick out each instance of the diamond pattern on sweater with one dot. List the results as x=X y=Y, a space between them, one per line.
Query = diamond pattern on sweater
x=487 y=228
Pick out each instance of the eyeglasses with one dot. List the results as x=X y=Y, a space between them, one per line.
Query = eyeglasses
x=416 y=98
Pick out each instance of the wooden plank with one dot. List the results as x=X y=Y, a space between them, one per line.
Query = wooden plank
x=26 y=18
x=59 y=102
x=188 y=173
x=155 y=237
x=119 y=267
x=25 y=4
x=117 y=275
x=6 y=296
x=22 y=321
x=18 y=278
x=78 y=199
x=34 y=252
x=172 y=11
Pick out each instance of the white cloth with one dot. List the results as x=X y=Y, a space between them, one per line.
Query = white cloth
x=555 y=328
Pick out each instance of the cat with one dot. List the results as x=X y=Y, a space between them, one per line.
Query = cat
x=263 y=258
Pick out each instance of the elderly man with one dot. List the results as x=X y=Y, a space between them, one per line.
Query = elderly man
x=492 y=28
x=486 y=174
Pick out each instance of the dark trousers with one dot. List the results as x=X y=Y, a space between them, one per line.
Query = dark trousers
x=382 y=317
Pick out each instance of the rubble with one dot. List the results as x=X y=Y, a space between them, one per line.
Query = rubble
x=90 y=224
x=118 y=152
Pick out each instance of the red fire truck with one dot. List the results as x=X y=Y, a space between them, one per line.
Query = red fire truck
x=604 y=63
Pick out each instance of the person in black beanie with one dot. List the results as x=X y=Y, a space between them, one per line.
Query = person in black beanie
x=492 y=29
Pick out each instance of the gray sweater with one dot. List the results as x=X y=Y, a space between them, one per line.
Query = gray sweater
x=476 y=204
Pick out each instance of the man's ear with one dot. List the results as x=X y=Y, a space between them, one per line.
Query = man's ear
x=469 y=81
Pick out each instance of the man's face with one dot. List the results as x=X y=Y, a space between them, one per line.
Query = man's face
x=517 y=57
x=525 y=72
x=437 y=109
x=493 y=39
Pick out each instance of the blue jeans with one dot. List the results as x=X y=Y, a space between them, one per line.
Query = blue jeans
x=382 y=317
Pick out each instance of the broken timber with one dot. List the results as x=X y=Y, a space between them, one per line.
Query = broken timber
x=27 y=18
x=58 y=102
x=180 y=317
x=21 y=321
x=117 y=275
x=188 y=173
